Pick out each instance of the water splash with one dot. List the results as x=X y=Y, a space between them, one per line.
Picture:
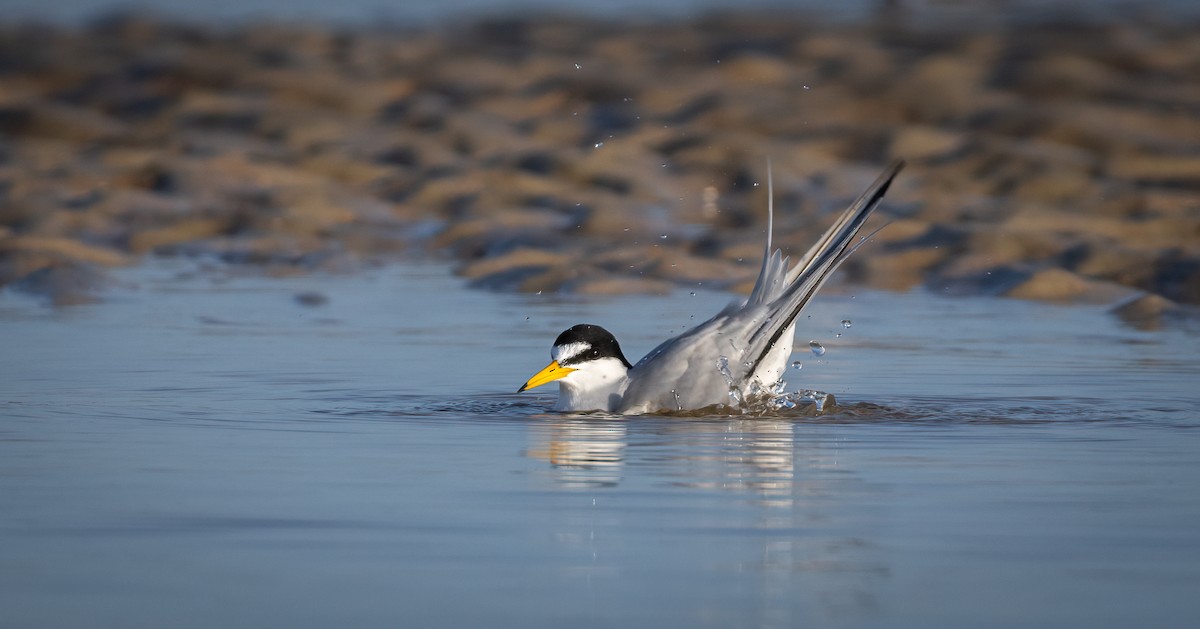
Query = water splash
x=735 y=394
x=762 y=400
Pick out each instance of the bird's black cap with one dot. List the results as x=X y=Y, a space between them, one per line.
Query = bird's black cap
x=601 y=344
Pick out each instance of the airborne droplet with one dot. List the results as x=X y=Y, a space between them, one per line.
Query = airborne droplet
x=817 y=348
x=846 y=323
x=797 y=365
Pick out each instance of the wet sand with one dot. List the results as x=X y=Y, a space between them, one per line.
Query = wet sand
x=1048 y=159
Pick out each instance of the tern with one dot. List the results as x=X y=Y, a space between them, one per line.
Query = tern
x=742 y=351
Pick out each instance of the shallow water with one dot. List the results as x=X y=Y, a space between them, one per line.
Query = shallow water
x=202 y=451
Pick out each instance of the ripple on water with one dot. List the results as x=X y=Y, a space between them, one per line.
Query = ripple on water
x=925 y=410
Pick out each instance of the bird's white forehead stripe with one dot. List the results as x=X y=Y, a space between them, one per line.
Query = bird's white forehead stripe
x=566 y=352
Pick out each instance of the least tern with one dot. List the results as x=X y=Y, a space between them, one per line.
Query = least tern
x=741 y=351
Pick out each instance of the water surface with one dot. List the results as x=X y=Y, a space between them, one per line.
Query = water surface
x=204 y=450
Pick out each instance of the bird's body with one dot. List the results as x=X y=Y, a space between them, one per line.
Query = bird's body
x=741 y=351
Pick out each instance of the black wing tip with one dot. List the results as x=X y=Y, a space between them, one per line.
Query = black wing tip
x=886 y=177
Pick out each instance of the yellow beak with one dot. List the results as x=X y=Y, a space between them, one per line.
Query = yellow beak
x=552 y=372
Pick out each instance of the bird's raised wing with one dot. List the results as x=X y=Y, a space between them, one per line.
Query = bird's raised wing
x=700 y=367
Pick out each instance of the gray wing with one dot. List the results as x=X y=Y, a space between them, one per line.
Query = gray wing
x=701 y=366
x=814 y=269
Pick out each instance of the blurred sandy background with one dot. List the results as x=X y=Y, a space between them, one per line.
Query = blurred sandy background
x=1053 y=153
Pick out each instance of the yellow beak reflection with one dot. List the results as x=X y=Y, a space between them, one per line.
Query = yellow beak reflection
x=552 y=372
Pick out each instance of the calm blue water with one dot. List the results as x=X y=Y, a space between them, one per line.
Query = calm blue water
x=203 y=450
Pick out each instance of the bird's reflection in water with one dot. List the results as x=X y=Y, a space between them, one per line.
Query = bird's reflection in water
x=753 y=457
x=583 y=451
x=813 y=556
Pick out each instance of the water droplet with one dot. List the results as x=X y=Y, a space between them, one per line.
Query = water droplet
x=578 y=67
x=539 y=292
x=693 y=293
x=797 y=365
x=838 y=335
x=526 y=318
x=723 y=367
x=846 y=323
x=817 y=348
x=599 y=144
x=626 y=229
x=663 y=237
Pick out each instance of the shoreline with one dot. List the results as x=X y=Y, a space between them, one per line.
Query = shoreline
x=1049 y=161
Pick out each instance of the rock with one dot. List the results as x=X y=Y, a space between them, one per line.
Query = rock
x=184 y=231
x=522 y=258
x=923 y=142
x=1058 y=74
x=1177 y=275
x=1177 y=170
x=65 y=250
x=1126 y=133
x=945 y=88
x=1115 y=262
x=74 y=124
x=751 y=70
x=473 y=234
x=310 y=299
x=1145 y=311
x=977 y=274
x=901 y=231
x=1055 y=188
x=683 y=268
x=67 y=284
x=621 y=286
x=893 y=270
x=1058 y=285
x=211 y=111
